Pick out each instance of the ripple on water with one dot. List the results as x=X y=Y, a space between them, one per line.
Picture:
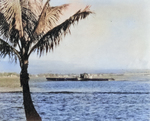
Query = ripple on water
x=112 y=101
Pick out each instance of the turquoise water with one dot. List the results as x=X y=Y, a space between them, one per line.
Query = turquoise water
x=82 y=101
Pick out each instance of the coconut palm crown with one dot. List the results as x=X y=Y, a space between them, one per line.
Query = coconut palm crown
x=28 y=26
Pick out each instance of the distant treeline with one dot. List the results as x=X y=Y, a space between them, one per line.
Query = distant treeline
x=13 y=74
x=52 y=75
x=10 y=74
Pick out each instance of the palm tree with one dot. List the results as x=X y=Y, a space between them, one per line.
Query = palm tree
x=28 y=26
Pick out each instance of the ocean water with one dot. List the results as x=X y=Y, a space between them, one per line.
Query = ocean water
x=82 y=101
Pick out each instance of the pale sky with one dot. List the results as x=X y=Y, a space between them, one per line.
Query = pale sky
x=115 y=37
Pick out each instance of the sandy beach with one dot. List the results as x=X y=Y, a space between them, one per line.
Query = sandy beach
x=9 y=84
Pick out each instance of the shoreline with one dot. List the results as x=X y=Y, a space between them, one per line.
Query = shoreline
x=10 y=90
x=12 y=84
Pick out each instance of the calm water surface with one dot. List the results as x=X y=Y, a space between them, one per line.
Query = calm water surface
x=82 y=101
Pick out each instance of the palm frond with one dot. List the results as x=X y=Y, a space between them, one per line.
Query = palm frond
x=11 y=9
x=48 y=18
x=53 y=37
x=29 y=23
x=35 y=6
x=8 y=50
x=11 y=35
x=4 y=27
x=28 y=20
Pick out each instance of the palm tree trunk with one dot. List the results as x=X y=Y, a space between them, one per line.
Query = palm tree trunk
x=30 y=111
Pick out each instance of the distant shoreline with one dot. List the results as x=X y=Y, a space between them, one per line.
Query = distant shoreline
x=11 y=81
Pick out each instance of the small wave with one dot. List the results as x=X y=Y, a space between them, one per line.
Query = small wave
x=72 y=92
x=11 y=92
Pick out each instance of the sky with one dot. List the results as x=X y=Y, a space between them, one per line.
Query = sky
x=115 y=37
